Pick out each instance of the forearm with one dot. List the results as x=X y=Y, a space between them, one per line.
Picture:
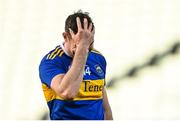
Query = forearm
x=108 y=114
x=107 y=108
x=68 y=85
x=73 y=78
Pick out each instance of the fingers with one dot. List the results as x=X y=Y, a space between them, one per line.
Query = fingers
x=85 y=24
x=90 y=27
x=93 y=31
x=92 y=36
x=78 y=23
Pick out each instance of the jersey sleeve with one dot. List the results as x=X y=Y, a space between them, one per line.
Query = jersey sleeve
x=49 y=69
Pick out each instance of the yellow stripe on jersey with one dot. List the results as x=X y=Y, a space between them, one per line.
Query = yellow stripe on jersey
x=48 y=93
x=61 y=53
x=57 y=48
x=56 y=54
x=89 y=90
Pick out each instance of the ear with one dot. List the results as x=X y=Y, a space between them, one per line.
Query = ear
x=66 y=36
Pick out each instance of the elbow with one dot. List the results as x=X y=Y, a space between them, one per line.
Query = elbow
x=67 y=94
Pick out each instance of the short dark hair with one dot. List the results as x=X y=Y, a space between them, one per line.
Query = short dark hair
x=71 y=21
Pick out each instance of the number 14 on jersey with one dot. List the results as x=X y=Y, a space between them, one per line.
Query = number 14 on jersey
x=87 y=70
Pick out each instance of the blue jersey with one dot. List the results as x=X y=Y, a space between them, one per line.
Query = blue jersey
x=88 y=103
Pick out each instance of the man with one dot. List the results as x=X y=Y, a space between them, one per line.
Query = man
x=73 y=74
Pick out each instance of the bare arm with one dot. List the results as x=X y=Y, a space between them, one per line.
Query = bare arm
x=107 y=108
x=67 y=85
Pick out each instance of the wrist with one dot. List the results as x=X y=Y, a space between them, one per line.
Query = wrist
x=83 y=47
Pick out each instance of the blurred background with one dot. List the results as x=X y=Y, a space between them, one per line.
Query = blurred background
x=139 y=38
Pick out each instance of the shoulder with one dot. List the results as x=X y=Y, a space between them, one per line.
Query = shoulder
x=54 y=54
x=55 y=57
x=98 y=55
x=95 y=51
x=51 y=65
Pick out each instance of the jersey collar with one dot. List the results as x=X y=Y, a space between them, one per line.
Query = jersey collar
x=62 y=46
